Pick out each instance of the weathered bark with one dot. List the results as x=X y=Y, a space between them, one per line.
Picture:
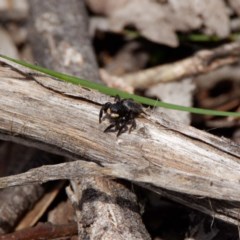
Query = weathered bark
x=108 y=210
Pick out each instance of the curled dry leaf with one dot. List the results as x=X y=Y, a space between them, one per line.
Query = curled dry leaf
x=159 y=21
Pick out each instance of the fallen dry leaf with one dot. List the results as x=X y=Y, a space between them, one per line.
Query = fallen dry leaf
x=159 y=21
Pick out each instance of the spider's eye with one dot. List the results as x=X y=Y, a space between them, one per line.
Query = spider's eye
x=114 y=109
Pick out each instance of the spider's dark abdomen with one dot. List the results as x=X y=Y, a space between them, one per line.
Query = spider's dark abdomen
x=132 y=106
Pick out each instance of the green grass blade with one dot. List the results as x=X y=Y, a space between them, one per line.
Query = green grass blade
x=113 y=92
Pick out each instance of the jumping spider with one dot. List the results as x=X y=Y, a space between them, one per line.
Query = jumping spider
x=121 y=114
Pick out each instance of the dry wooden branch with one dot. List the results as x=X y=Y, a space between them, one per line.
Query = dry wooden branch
x=174 y=156
x=159 y=152
x=202 y=62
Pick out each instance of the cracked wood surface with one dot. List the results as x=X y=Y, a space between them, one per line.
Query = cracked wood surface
x=161 y=155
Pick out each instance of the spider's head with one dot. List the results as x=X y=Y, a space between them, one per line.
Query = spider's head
x=113 y=111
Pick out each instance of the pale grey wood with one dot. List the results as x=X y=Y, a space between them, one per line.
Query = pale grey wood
x=159 y=153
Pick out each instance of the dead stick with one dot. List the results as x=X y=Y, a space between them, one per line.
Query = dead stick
x=203 y=61
x=43 y=231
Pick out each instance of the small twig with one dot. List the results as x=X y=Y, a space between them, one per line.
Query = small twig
x=69 y=170
x=43 y=231
x=203 y=61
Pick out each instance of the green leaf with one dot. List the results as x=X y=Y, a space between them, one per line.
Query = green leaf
x=113 y=92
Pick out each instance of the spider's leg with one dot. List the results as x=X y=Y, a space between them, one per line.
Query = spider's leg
x=143 y=112
x=100 y=115
x=131 y=121
x=110 y=126
x=104 y=108
x=117 y=98
x=133 y=125
x=122 y=129
x=122 y=125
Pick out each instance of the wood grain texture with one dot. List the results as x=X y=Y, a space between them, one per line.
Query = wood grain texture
x=153 y=153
